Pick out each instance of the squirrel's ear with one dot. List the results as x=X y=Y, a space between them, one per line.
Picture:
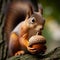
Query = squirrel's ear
x=40 y=9
x=29 y=13
x=27 y=16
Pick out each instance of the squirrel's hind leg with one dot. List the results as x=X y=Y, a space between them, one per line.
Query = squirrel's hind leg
x=21 y=52
x=13 y=44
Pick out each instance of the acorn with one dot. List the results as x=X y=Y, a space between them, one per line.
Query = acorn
x=38 y=42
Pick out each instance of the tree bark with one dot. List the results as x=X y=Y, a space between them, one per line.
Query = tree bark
x=53 y=55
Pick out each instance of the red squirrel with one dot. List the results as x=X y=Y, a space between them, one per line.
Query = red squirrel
x=18 y=39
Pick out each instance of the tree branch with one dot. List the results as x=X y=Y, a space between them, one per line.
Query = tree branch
x=53 y=55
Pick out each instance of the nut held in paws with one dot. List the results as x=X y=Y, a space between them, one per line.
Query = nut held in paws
x=38 y=42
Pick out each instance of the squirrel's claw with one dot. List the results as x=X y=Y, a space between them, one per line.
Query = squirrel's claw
x=19 y=53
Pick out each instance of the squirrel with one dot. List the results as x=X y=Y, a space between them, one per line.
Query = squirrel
x=18 y=36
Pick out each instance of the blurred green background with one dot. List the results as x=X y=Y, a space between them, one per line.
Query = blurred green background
x=51 y=13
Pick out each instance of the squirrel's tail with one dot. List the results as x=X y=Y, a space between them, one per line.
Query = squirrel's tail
x=15 y=15
x=11 y=20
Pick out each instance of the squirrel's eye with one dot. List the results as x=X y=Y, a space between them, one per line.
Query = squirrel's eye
x=33 y=20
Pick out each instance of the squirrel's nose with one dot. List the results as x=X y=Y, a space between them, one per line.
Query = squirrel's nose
x=39 y=27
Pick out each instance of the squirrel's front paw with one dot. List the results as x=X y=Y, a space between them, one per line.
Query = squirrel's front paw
x=32 y=50
x=19 y=53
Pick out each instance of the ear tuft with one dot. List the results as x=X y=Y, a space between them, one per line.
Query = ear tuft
x=40 y=9
x=30 y=10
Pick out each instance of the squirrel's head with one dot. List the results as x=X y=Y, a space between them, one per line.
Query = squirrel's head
x=35 y=22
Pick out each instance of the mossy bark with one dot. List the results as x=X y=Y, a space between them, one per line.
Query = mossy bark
x=53 y=55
